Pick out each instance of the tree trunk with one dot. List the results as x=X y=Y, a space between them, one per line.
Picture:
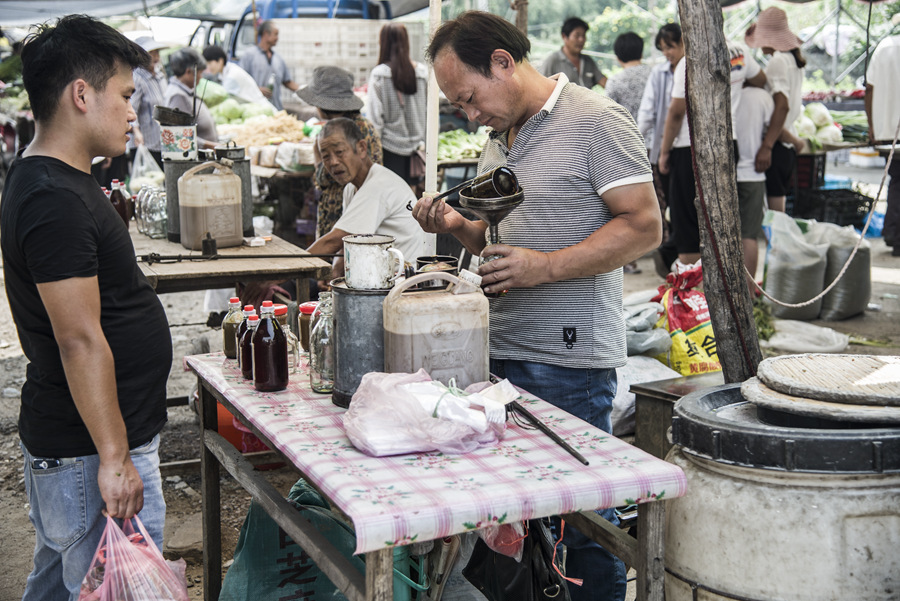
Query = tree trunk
x=709 y=118
x=521 y=8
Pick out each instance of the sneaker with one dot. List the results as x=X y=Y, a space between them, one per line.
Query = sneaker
x=631 y=268
x=896 y=251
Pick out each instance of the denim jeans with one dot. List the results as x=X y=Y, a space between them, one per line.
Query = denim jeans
x=588 y=394
x=66 y=512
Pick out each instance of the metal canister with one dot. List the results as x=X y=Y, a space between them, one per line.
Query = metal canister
x=359 y=337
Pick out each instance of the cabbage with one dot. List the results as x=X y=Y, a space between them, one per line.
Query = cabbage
x=230 y=109
x=819 y=114
x=805 y=127
x=830 y=134
x=211 y=92
x=253 y=110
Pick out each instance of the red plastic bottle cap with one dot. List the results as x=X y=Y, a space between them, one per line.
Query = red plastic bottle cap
x=253 y=318
x=249 y=308
x=280 y=310
x=308 y=308
x=234 y=300
x=267 y=304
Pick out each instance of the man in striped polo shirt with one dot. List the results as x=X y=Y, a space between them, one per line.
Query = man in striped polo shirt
x=589 y=209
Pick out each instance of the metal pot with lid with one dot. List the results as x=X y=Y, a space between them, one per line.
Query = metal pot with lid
x=229 y=150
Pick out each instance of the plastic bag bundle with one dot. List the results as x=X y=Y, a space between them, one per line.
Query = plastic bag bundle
x=641 y=335
x=386 y=418
x=795 y=269
x=127 y=565
x=850 y=296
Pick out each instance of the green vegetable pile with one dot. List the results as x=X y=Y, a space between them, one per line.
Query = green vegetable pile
x=762 y=315
x=212 y=92
x=854 y=125
x=233 y=112
x=460 y=144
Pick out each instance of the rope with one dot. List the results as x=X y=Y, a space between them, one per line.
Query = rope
x=855 y=248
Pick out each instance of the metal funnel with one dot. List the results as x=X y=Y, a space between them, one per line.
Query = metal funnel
x=491 y=210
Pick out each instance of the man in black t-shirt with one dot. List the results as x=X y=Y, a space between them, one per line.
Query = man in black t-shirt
x=94 y=332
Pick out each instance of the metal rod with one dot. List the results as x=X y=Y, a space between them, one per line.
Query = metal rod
x=546 y=430
x=152 y=258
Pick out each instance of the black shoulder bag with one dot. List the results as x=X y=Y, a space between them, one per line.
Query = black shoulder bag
x=502 y=578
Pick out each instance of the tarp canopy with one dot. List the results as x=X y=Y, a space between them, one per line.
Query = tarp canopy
x=26 y=12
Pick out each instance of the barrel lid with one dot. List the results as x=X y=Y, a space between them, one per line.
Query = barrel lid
x=853 y=379
x=719 y=424
x=761 y=395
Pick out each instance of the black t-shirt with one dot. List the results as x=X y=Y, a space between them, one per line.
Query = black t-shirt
x=56 y=223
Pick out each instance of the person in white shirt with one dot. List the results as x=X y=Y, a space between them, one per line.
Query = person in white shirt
x=235 y=80
x=751 y=121
x=778 y=153
x=883 y=111
x=375 y=197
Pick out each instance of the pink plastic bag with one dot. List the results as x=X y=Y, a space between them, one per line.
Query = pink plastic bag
x=385 y=419
x=127 y=565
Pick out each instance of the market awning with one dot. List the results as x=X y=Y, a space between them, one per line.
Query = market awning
x=27 y=12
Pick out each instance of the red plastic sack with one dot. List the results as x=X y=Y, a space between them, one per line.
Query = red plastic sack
x=127 y=565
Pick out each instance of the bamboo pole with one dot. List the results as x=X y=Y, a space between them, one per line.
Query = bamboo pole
x=709 y=118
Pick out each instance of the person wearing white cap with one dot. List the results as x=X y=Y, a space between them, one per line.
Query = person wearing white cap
x=883 y=111
x=784 y=74
x=149 y=91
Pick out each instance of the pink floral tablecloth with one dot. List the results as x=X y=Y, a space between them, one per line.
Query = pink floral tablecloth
x=407 y=498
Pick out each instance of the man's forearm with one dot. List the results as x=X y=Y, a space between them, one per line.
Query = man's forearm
x=471 y=235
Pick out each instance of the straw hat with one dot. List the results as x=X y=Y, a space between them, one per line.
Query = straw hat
x=771 y=31
x=331 y=89
x=149 y=44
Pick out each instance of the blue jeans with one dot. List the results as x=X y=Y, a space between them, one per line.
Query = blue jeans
x=588 y=394
x=66 y=512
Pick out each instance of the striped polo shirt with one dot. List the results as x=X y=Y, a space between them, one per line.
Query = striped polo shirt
x=578 y=146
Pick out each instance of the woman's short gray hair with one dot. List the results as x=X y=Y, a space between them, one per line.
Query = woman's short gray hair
x=184 y=59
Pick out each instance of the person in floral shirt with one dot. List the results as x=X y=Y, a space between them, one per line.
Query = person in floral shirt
x=331 y=92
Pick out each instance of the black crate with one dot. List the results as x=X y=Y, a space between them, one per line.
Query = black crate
x=810 y=171
x=840 y=206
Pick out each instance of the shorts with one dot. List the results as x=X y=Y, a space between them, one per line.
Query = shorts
x=751 y=200
x=682 y=210
x=780 y=174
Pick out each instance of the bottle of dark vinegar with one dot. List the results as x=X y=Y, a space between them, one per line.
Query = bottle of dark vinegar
x=245 y=350
x=270 y=358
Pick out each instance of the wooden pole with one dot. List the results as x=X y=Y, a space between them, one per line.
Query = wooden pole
x=709 y=118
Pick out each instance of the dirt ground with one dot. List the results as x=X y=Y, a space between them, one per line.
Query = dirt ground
x=180 y=442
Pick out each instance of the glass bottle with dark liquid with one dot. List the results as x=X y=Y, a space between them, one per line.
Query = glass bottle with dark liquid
x=119 y=201
x=245 y=350
x=239 y=331
x=232 y=320
x=269 y=348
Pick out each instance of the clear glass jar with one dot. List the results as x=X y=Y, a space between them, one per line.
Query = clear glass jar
x=154 y=214
x=321 y=347
x=139 y=209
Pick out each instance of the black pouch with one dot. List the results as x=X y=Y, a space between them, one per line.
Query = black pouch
x=502 y=578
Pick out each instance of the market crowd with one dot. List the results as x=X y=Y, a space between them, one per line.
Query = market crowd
x=616 y=159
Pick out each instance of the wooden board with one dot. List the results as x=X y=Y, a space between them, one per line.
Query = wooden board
x=759 y=394
x=222 y=273
x=852 y=379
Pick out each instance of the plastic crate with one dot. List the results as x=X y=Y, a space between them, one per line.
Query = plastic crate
x=810 y=171
x=840 y=206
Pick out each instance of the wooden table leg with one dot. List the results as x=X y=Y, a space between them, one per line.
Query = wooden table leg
x=380 y=575
x=650 y=565
x=211 y=505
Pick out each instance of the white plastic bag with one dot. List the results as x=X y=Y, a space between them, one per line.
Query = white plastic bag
x=386 y=418
x=801 y=337
x=850 y=296
x=795 y=269
x=144 y=170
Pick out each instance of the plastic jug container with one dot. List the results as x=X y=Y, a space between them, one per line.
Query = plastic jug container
x=445 y=333
x=210 y=203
